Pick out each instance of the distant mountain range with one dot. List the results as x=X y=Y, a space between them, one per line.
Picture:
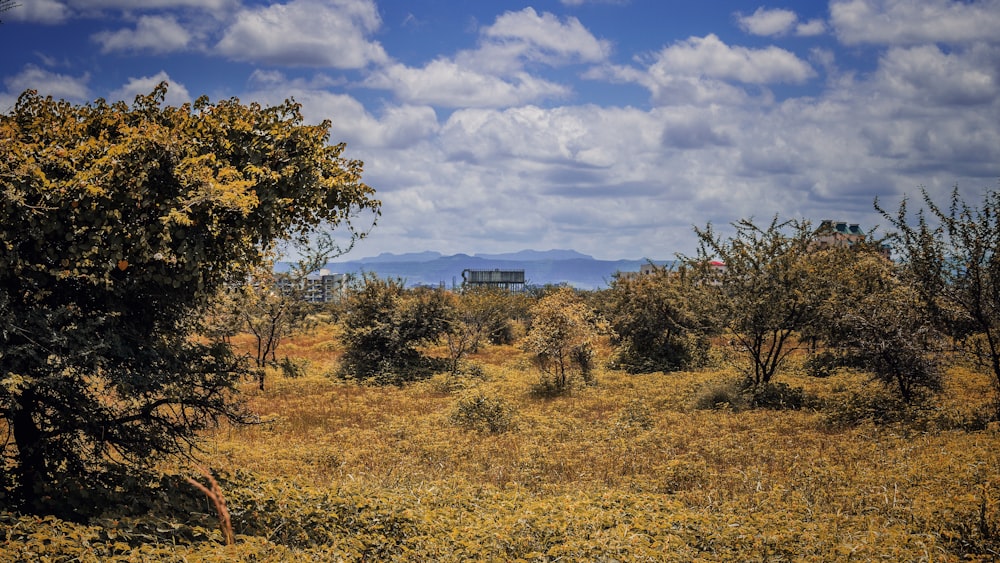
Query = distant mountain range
x=540 y=267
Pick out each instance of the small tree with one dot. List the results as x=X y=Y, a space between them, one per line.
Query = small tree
x=952 y=258
x=383 y=325
x=480 y=314
x=655 y=322
x=275 y=305
x=118 y=225
x=562 y=335
x=758 y=295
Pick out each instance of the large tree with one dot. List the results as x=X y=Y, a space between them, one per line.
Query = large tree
x=118 y=223
x=868 y=316
x=760 y=293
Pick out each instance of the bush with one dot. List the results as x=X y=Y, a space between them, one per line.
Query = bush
x=721 y=396
x=776 y=396
x=293 y=368
x=493 y=415
x=744 y=395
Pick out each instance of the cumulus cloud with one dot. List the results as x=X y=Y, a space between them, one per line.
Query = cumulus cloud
x=157 y=34
x=446 y=83
x=493 y=74
x=767 y=22
x=810 y=28
x=906 y=23
x=177 y=94
x=306 y=33
x=709 y=56
x=702 y=70
x=40 y=11
x=542 y=37
x=927 y=76
x=47 y=83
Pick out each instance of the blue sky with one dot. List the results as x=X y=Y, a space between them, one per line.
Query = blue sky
x=606 y=126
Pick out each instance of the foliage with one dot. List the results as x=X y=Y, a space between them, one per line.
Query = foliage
x=119 y=224
x=562 y=335
x=655 y=323
x=384 y=323
x=871 y=319
x=484 y=413
x=760 y=295
x=952 y=257
x=481 y=314
x=625 y=471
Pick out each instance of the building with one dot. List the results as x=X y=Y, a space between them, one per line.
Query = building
x=838 y=233
x=511 y=280
x=320 y=287
x=833 y=234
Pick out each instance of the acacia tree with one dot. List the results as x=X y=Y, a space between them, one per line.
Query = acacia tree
x=118 y=224
x=758 y=295
x=952 y=257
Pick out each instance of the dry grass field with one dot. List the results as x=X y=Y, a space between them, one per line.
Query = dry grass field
x=477 y=468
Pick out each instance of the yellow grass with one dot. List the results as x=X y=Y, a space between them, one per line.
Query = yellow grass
x=626 y=469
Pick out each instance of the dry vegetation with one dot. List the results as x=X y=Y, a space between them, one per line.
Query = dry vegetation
x=624 y=470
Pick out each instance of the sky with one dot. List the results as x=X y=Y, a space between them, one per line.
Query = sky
x=611 y=127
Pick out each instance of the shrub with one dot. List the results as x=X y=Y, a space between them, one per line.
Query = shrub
x=483 y=413
x=293 y=368
x=721 y=396
x=776 y=396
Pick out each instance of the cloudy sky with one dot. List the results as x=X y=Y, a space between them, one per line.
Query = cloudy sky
x=605 y=126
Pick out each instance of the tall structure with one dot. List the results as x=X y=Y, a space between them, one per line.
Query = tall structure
x=511 y=280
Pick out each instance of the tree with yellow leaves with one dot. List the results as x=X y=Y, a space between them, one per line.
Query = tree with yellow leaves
x=118 y=223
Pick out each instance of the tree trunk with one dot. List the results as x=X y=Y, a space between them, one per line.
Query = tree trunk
x=30 y=473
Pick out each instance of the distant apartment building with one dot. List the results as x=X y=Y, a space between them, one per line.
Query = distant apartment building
x=511 y=280
x=832 y=234
x=320 y=287
x=838 y=233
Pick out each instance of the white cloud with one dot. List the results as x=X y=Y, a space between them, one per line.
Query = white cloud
x=177 y=94
x=446 y=83
x=60 y=86
x=493 y=75
x=927 y=76
x=39 y=11
x=396 y=127
x=810 y=28
x=306 y=33
x=157 y=34
x=544 y=38
x=708 y=56
x=767 y=22
x=700 y=70
x=895 y=22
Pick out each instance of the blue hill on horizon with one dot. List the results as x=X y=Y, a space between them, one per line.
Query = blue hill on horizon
x=540 y=267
